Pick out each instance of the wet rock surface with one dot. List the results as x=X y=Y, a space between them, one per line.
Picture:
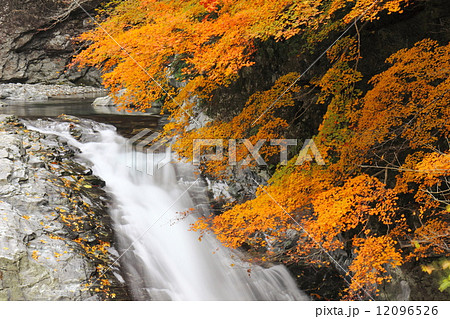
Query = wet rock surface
x=56 y=240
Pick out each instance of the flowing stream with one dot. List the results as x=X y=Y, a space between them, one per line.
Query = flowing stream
x=160 y=257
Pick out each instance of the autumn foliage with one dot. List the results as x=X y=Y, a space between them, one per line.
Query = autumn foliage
x=383 y=197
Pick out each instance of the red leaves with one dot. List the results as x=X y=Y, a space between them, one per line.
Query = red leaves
x=210 y=5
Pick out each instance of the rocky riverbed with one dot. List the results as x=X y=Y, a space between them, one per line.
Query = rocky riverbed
x=56 y=239
x=42 y=92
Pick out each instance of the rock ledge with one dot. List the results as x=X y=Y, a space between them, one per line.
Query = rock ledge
x=56 y=239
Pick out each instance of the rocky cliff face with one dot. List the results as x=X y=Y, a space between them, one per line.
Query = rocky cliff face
x=36 y=41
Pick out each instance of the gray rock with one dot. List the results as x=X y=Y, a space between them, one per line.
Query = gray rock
x=5 y=170
x=200 y=119
x=405 y=291
x=106 y=105
x=31 y=271
x=39 y=92
x=103 y=101
x=36 y=41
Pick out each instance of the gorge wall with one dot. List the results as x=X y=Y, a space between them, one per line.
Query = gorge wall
x=36 y=41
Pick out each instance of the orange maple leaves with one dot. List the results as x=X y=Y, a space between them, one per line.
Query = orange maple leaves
x=411 y=96
x=370 y=267
x=207 y=42
x=349 y=207
x=371 y=7
x=178 y=38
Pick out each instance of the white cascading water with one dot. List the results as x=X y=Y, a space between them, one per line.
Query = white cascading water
x=162 y=260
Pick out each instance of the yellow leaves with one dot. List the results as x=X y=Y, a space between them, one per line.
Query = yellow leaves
x=446 y=264
x=369 y=268
x=105 y=282
x=440 y=269
x=345 y=50
x=35 y=255
x=55 y=237
x=202 y=224
x=95 y=250
x=101 y=285
x=425 y=174
x=26 y=217
x=428 y=268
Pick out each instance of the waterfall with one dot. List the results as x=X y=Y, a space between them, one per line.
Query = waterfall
x=160 y=257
